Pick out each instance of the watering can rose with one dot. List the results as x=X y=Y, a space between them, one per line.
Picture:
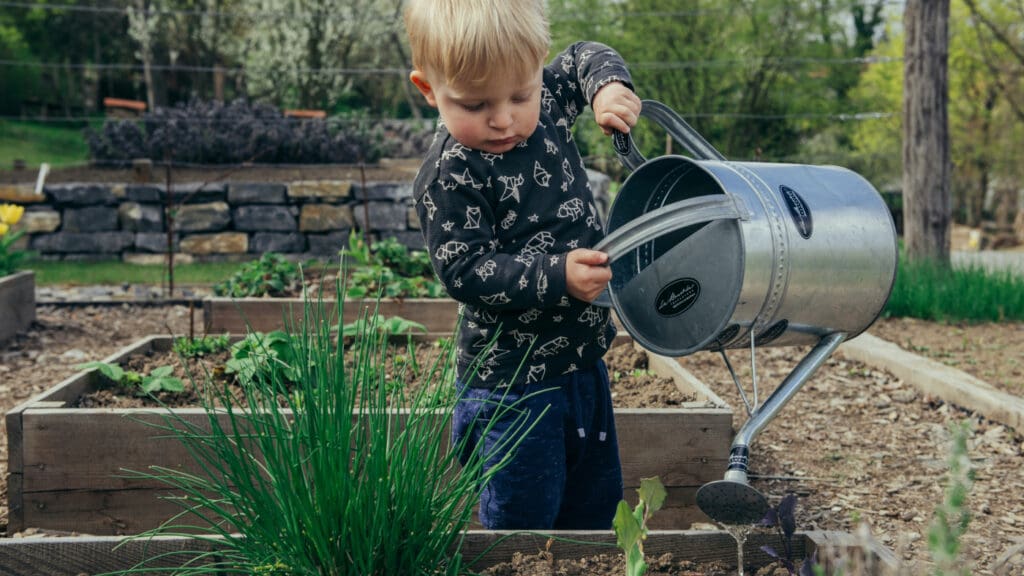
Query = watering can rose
x=10 y=214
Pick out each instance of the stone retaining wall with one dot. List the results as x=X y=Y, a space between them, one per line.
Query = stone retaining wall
x=225 y=221
x=232 y=221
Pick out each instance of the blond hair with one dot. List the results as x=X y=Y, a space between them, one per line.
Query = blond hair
x=470 y=42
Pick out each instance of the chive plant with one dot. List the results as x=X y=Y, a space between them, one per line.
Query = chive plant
x=332 y=473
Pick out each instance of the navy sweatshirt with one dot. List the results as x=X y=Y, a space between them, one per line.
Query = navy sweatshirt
x=498 y=228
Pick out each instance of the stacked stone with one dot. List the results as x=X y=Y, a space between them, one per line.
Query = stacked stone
x=220 y=221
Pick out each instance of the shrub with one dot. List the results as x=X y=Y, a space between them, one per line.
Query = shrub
x=210 y=132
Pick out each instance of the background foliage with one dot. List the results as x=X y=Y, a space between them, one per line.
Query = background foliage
x=811 y=81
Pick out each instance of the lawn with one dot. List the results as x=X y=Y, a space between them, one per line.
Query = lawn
x=58 y=144
x=117 y=272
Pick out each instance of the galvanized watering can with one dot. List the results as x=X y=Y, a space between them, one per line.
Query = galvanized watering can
x=710 y=254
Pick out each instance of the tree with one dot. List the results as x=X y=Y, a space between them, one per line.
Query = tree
x=926 y=157
x=301 y=58
x=143 y=23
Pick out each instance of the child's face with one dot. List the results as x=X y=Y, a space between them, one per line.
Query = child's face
x=493 y=118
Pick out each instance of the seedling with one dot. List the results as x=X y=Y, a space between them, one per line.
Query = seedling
x=159 y=380
x=952 y=517
x=202 y=346
x=389 y=269
x=783 y=518
x=271 y=275
x=631 y=525
x=265 y=355
x=387 y=327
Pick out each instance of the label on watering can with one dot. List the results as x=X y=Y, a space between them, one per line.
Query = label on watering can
x=677 y=297
x=739 y=458
x=799 y=210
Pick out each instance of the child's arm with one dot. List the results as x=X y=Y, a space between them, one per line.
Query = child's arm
x=592 y=73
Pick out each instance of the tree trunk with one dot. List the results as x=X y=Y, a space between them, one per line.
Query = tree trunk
x=926 y=156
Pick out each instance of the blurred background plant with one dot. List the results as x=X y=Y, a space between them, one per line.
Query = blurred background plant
x=10 y=258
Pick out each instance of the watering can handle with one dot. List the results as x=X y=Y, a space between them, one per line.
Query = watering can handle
x=676 y=127
x=669 y=217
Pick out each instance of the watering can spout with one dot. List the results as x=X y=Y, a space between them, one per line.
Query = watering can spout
x=732 y=500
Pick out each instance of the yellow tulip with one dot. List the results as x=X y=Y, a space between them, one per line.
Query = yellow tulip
x=10 y=214
x=4 y=228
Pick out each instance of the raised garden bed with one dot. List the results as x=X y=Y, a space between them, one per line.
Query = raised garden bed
x=90 y=555
x=67 y=465
x=17 y=303
x=238 y=315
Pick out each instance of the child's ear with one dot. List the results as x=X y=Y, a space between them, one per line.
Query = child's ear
x=419 y=79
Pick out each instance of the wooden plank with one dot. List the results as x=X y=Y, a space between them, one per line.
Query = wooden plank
x=682 y=447
x=116 y=512
x=241 y=315
x=17 y=303
x=121 y=512
x=133 y=105
x=91 y=448
x=931 y=377
x=679 y=511
x=76 y=555
x=72 y=556
x=15 y=503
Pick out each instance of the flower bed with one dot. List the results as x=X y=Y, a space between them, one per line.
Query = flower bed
x=68 y=465
x=93 y=554
x=17 y=303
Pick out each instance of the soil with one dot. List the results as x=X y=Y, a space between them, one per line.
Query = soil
x=862 y=449
x=545 y=564
x=633 y=386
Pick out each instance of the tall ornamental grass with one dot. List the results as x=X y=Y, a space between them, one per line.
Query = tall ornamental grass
x=934 y=291
x=336 y=482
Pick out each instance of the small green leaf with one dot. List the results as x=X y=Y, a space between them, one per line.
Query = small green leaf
x=627 y=530
x=162 y=371
x=172 y=384
x=652 y=493
x=111 y=371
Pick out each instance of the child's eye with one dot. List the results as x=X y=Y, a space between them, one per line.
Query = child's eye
x=473 y=107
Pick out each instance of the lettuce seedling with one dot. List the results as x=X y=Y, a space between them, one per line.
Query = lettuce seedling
x=631 y=525
x=201 y=346
x=159 y=380
x=263 y=355
x=782 y=517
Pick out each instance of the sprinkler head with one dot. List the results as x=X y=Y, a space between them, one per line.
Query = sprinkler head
x=732 y=502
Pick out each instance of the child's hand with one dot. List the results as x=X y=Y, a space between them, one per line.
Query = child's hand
x=615 y=108
x=586 y=273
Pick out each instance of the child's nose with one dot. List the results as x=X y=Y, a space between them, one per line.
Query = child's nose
x=501 y=119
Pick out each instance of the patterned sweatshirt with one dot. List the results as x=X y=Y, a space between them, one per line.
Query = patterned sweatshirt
x=498 y=228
